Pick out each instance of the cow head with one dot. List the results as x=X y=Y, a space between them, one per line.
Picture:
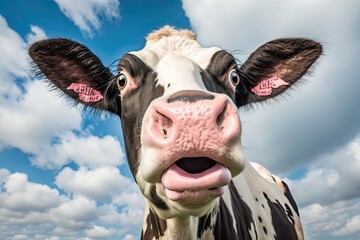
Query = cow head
x=178 y=104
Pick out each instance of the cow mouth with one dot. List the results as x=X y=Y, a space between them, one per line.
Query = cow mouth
x=195 y=179
x=195 y=165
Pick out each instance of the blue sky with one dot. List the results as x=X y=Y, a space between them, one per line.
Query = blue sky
x=63 y=173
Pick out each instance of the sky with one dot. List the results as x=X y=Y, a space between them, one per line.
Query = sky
x=63 y=172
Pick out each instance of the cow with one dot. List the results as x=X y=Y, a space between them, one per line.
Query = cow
x=178 y=104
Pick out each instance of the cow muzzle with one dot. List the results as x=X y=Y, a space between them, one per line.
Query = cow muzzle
x=190 y=136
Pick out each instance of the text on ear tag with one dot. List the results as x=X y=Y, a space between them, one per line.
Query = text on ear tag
x=264 y=88
x=86 y=93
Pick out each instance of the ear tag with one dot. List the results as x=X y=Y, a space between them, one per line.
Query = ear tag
x=86 y=94
x=264 y=88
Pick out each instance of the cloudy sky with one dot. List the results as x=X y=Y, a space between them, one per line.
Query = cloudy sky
x=63 y=173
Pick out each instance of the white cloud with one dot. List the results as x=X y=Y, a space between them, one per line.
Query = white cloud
x=331 y=221
x=354 y=149
x=88 y=14
x=129 y=237
x=102 y=183
x=78 y=209
x=98 y=232
x=133 y=204
x=352 y=226
x=109 y=214
x=36 y=34
x=34 y=117
x=13 y=60
x=20 y=237
x=125 y=203
x=40 y=211
x=83 y=149
x=329 y=193
x=129 y=218
x=4 y=173
x=20 y=195
x=332 y=177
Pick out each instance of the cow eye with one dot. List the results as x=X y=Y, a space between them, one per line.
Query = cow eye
x=234 y=77
x=121 y=80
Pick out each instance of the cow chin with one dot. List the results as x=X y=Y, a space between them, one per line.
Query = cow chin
x=192 y=203
x=195 y=204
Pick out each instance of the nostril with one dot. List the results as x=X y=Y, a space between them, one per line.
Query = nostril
x=221 y=117
x=164 y=123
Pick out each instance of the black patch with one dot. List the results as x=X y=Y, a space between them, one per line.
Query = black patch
x=213 y=84
x=260 y=219
x=220 y=65
x=273 y=178
x=217 y=71
x=224 y=223
x=284 y=229
x=204 y=224
x=289 y=213
x=156 y=200
x=242 y=213
x=221 y=62
x=155 y=227
x=135 y=104
x=290 y=198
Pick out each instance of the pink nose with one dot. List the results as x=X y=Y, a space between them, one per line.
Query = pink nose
x=191 y=122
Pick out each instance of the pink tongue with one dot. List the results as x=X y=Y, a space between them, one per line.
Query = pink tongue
x=176 y=179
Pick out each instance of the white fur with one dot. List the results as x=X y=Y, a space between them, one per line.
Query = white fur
x=180 y=73
x=177 y=60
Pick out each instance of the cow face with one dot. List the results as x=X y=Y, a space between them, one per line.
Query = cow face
x=178 y=107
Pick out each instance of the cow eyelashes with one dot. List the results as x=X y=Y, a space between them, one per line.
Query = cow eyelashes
x=121 y=80
x=234 y=77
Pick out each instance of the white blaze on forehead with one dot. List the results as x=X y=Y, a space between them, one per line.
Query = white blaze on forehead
x=177 y=73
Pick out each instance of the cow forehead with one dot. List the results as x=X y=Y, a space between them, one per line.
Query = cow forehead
x=156 y=50
x=178 y=60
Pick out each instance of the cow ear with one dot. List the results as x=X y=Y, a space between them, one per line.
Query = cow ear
x=77 y=72
x=274 y=67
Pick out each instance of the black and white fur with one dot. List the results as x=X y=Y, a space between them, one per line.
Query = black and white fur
x=255 y=204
